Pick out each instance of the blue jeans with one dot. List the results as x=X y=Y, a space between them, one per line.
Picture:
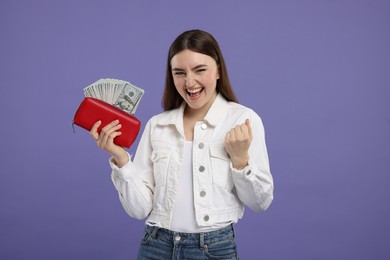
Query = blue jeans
x=162 y=244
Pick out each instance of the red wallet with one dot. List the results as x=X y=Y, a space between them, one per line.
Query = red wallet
x=92 y=110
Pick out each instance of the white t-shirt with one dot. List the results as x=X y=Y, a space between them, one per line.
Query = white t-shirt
x=183 y=215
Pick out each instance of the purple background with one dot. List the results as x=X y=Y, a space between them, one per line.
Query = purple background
x=317 y=72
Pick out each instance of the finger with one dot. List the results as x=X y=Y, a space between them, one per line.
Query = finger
x=104 y=139
x=106 y=134
x=247 y=129
x=248 y=124
x=244 y=131
x=238 y=134
x=106 y=130
x=229 y=136
x=110 y=125
x=93 y=132
x=109 y=141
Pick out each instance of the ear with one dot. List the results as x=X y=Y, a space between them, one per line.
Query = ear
x=218 y=73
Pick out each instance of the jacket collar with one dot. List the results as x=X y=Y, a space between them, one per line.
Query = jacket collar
x=213 y=116
x=216 y=111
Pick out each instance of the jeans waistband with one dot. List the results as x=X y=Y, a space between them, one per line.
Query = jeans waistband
x=200 y=239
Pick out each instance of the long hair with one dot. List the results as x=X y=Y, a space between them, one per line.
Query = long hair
x=201 y=42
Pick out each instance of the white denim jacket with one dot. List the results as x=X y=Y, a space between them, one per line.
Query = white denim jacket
x=147 y=186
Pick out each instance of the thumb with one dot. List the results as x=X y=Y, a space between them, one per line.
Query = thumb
x=247 y=123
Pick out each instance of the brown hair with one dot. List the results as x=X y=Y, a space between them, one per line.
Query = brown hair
x=201 y=42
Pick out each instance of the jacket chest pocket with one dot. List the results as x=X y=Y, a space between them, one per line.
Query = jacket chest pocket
x=220 y=164
x=160 y=159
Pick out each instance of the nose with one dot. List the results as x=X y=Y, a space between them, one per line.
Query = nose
x=190 y=80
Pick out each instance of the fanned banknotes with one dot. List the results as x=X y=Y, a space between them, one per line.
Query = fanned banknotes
x=119 y=93
x=108 y=100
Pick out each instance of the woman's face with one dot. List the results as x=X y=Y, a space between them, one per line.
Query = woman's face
x=195 y=77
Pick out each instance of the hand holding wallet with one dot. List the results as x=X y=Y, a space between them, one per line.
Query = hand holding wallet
x=92 y=110
x=108 y=100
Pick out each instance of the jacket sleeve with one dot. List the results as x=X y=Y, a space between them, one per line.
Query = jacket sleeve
x=254 y=184
x=135 y=180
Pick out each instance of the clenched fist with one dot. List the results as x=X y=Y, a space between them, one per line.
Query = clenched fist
x=237 y=142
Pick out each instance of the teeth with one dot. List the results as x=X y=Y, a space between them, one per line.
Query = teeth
x=192 y=91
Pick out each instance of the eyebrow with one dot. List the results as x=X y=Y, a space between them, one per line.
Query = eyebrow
x=194 y=68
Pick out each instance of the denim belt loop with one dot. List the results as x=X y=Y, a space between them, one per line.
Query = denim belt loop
x=153 y=234
x=201 y=240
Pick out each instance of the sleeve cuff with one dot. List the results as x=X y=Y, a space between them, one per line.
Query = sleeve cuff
x=124 y=172
x=246 y=171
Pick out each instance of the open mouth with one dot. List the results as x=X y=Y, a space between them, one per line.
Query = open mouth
x=194 y=92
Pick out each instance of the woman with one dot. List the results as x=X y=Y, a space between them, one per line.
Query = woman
x=197 y=163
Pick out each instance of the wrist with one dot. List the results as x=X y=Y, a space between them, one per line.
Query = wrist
x=121 y=160
x=241 y=163
x=239 y=166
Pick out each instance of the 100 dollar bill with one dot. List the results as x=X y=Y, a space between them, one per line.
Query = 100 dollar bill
x=119 y=93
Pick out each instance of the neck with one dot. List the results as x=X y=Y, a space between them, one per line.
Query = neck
x=195 y=114
x=198 y=114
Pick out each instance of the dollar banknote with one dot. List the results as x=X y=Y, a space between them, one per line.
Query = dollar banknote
x=119 y=93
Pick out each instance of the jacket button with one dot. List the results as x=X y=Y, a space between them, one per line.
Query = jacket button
x=202 y=193
x=203 y=126
x=202 y=168
x=206 y=218
x=201 y=145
